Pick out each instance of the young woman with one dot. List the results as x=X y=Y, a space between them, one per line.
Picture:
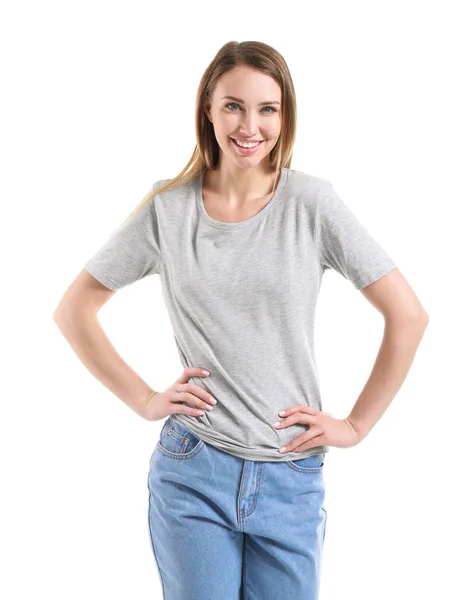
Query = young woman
x=241 y=242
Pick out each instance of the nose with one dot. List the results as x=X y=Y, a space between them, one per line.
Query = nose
x=248 y=124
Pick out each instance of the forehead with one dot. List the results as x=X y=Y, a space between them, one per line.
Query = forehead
x=248 y=85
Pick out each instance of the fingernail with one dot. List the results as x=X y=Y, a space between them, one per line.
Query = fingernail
x=276 y=424
x=283 y=449
x=205 y=372
x=282 y=412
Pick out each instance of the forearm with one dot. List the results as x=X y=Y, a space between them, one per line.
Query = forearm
x=85 y=335
x=394 y=359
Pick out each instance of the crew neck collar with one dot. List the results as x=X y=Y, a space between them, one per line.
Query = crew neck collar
x=240 y=224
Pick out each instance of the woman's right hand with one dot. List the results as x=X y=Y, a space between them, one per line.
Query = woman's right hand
x=159 y=405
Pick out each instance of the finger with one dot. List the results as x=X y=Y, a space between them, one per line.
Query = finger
x=187 y=410
x=196 y=390
x=313 y=443
x=291 y=409
x=190 y=372
x=307 y=437
x=298 y=407
x=184 y=396
x=296 y=418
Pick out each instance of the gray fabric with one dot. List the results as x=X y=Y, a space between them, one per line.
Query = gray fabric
x=242 y=297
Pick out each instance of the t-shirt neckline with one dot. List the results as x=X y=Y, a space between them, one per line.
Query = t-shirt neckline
x=238 y=225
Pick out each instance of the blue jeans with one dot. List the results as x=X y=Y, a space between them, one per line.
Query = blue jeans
x=226 y=528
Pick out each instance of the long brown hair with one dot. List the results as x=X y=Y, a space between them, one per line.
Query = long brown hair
x=256 y=55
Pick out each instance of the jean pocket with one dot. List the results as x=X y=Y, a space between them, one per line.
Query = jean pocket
x=310 y=464
x=176 y=441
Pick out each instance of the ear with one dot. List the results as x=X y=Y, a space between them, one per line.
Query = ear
x=207 y=109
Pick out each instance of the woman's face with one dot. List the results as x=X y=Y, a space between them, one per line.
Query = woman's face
x=252 y=113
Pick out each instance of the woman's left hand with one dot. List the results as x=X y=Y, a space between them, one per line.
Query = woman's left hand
x=325 y=430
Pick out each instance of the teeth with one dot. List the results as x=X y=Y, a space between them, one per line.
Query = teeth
x=246 y=145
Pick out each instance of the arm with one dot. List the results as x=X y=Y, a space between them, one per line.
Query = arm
x=405 y=324
x=77 y=319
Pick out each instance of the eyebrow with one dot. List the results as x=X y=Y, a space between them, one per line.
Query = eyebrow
x=260 y=104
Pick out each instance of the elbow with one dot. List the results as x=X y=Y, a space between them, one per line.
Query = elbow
x=419 y=323
x=417 y=320
x=58 y=317
x=68 y=314
x=422 y=318
x=61 y=315
x=58 y=314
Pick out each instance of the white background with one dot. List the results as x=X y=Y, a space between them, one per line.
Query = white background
x=97 y=104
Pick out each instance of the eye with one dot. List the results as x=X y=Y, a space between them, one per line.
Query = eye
x=235 y=104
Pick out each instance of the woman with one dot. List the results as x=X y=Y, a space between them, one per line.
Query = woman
x=241 y=241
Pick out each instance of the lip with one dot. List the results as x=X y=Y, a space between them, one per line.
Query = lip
x=247 y=141
x=246 y=151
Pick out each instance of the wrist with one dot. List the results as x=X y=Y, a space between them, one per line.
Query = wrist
x=358 y=428
x=146 y=401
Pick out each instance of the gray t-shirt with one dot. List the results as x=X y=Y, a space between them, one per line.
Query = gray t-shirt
x=241 y=298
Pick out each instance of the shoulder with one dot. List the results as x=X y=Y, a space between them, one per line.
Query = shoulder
x=306 y=188
x=179 y=191
x=159 y=184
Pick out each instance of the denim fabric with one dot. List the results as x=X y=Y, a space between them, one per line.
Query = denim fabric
x=228 y=528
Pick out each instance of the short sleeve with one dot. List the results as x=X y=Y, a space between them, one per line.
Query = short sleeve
x=346 y=245
x=130 y=254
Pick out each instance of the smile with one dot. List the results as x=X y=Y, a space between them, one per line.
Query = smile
x=246 y=149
